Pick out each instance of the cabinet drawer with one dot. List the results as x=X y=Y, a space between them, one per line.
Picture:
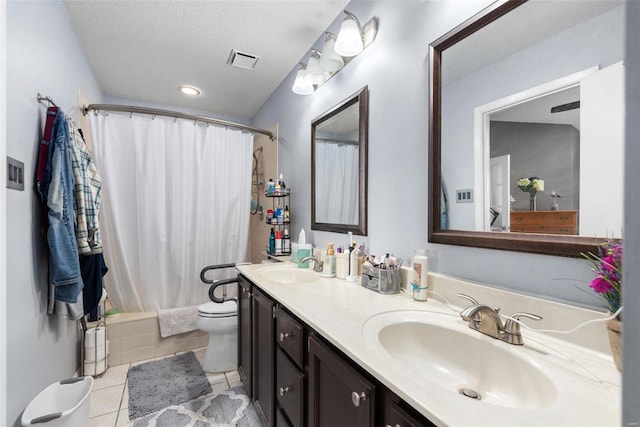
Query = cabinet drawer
x=545 y=222
x=290 y=336
x=290 y=389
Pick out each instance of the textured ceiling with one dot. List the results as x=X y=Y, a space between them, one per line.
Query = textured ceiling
x=144 y=49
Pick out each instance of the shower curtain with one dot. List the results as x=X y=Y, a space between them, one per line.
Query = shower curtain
x=176 y=198
x=337 y=189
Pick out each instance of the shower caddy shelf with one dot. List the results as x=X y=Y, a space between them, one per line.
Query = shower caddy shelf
x=282 y=200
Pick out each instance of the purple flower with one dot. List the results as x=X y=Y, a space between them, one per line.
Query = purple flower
x=600 y=285
x=609 y=263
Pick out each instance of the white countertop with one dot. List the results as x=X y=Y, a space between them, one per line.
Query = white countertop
x=588 y=385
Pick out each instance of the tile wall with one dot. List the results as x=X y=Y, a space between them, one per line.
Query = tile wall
x=136 y=336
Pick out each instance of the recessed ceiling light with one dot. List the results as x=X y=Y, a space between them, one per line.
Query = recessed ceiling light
x=189 y=90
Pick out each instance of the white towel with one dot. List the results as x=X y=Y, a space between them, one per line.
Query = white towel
x=179 y=320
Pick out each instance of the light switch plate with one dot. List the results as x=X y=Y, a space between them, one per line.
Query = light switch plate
x=15 y=174
x=464 y=196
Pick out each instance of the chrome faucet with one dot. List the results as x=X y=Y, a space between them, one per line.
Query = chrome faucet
x=486 y=320
x=317 y=264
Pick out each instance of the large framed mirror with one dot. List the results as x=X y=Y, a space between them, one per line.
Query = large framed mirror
x=527 y=128
x=339 y=166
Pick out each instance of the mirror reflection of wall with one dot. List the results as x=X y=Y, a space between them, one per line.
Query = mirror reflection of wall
x=549 y=151
x=510 y=57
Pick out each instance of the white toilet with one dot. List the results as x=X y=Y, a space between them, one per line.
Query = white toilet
x=220 y=321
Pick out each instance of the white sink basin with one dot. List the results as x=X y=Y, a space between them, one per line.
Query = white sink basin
x=442 y=350
x=291 y=275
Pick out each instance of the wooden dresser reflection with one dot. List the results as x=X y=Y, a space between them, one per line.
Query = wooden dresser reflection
x=545 y=222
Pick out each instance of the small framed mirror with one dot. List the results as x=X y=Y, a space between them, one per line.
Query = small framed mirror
x=527 y=128
x=339 y=166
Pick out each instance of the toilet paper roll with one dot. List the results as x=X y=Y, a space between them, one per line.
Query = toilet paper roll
x=95 y=368
x=90 y=336
x=91 y=350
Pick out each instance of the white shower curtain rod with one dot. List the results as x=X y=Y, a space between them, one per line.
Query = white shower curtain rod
x=337 y=140
x=175 y=114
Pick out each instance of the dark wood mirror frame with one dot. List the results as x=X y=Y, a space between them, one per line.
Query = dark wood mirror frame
x=362 y=96
x=570 y=246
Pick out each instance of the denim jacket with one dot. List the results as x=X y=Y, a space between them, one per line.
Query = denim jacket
x=64 y=267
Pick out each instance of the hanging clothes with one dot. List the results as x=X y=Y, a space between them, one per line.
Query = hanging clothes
x=64 y=265
x=70 y=189
x=87 y=195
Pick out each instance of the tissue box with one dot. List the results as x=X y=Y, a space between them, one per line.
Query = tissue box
x=384 y=281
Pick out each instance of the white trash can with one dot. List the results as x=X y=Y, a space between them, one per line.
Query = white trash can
x=65 y=403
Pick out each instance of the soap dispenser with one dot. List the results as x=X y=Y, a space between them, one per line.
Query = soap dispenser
x=329 y=262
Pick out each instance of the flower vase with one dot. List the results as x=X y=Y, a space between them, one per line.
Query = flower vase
x=532 y=201
x=614 y=329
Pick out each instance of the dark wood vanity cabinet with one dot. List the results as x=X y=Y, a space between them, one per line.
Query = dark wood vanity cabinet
x=396 y=413
x=290 y=368
x=338 y=394
x=263 y=355
x=297 y=379
x=245 y=368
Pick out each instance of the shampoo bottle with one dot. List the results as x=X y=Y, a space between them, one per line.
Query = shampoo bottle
x=272 y=242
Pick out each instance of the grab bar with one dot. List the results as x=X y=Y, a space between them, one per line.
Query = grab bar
x=215 y=283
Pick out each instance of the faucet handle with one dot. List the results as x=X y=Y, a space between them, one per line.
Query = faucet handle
x=467 y=297
x=512 y=327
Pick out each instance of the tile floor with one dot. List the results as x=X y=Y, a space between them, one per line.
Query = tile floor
x=110 y=397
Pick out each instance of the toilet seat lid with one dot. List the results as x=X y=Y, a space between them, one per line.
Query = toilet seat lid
x=218 y=309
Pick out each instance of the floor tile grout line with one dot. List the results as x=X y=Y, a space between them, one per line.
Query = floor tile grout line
x=126 y=379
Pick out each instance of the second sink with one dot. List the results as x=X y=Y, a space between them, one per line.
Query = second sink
x=444 y=351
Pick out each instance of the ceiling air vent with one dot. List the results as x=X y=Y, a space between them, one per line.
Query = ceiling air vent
x=242 y=60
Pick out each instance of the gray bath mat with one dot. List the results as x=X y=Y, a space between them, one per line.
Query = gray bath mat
x=160 y=383
x=228 y=408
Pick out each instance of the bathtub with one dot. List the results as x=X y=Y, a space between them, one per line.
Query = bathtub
x=136 y=336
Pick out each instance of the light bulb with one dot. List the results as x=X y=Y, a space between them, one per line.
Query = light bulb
x=330 y=61
x=349 y=42
x=315 y=74
x=300 y=85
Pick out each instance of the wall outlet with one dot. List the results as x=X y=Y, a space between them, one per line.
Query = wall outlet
x=464 y=196
x=15 y=174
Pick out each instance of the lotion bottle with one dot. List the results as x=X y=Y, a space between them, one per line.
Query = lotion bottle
x=329 y=262
x=420 y=265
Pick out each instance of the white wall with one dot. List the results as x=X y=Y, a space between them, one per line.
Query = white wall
x=631 y=319
x=43 y=55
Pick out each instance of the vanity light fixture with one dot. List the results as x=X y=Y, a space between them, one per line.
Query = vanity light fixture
x=315 y=74
x=336 y=52
x=330 y=60
x=301 y=86
x=189 y=90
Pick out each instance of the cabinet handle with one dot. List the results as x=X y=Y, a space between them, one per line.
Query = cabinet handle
x=357 y=397
x=284 y=336
x=284 y=390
